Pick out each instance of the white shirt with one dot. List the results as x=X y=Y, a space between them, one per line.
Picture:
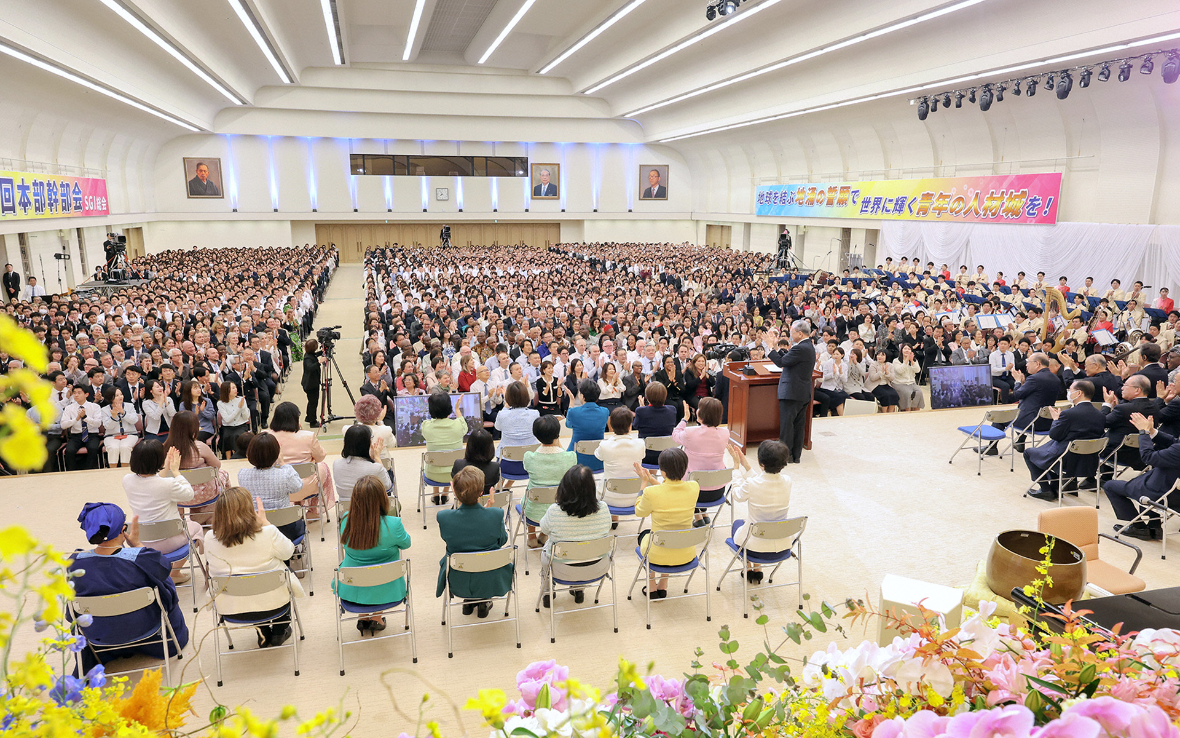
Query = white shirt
x=768 y=497
x=619 y=454
x=34 y=290
x=1002 y=362
x=154 y=498
x=71 y=423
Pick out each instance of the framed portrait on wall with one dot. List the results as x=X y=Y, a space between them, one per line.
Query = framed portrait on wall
x=546 y=181
x=202 y=176
x=653 y=182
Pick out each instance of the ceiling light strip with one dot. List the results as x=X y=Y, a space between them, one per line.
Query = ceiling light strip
x=843 y=44
x=79 y=79
x=252 y=25
x=507 y=29
x=415 y=21
x=744 y=13
x=598 y=31
x=926 y=86
x=334 y=40
x=174 y=52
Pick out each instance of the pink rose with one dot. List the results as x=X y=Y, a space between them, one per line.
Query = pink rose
x=865 y=727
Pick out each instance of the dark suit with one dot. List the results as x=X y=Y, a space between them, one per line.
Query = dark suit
x=1077 y=423
x=794 y=393
x=549 y=190
x=1035 y=392
x=1154 y=373
x=1118 y=426
x=1162 y=454
x=197 y=188
x=385 y=396
x=12 y=285
x=470 y=529
x=311 y=385
x=660 y=192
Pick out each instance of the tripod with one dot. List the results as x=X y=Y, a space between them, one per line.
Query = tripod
x=326 y=414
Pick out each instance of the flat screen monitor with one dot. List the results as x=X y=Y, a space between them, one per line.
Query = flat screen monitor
x=968 y=385
x=410 y=412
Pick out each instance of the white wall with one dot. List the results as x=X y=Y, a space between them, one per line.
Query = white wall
x=302 y=232
x=173 y=234
x=642 y=231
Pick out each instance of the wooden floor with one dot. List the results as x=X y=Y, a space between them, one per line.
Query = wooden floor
x=877 y=491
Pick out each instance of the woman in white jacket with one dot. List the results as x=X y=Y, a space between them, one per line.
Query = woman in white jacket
x=879 y=382
x=234 y=415
x=767 y=494
x=243 y=542
x=905 y=380
x=118 y=420
x=158 y=410
x=835 y=371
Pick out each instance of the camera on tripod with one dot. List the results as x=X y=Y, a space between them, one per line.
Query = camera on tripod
x=721 y=352
x=327 y=337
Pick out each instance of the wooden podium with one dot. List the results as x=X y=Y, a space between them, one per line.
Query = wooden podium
x=753 y=404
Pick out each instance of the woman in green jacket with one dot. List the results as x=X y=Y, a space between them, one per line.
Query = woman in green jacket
x=371 y=536
x=471 y=528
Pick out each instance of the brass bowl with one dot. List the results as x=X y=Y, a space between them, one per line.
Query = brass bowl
x=1014 y=557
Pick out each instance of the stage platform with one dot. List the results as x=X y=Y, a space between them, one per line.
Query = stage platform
x=108 y=288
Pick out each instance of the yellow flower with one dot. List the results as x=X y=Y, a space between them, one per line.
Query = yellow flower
x=934 y=699
x=18 y=342
x=22 y=447
x=432 y=727
x=490 y=704
x=15 y=541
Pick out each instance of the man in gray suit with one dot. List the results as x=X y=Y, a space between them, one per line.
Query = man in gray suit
x=794 y=385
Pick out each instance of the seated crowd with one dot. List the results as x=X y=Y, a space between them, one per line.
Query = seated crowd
x=211 y=333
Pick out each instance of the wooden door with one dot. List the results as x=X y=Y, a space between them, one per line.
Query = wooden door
x=134 y=243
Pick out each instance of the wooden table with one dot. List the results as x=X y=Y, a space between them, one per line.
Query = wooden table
x=753 y=405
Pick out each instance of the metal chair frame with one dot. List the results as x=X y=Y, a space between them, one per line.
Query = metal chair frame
x=1077 y=447
x=342 y=507
x=541 y=496
x=693 y=537
x=246 y=585
x=503 y=500
x=123 y=603
x=476 y=562
x=514 y=453
x=200 y=475
x=562 y=552
x=658 y=443
x=434 y=458
x=1148 y=505
x=167 y=529
x=1007 y=415
x=624 y=486
x=305 y=470
x=373 y=576
x=789 y=531
x=286 y=516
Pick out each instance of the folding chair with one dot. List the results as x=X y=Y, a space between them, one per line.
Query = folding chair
x=515 y=453
x=539 y=496
x=309 y=469
x=250 y=585
x=657 y=444
x=373 y=576
x=569 y=552
x=200 y=475
x=1087 y=447
x=286 y=516
x=502 y=500
x=1162 y=507
x=625 y=487
x=434 y=458
x=985 y=434
x=1131 y=440
x=474 y=563
x=789 y=534
x=719 y=479
x=125 y=603
x=690 y=538
x=388 y=464
x=1039 y=437
x=587 y=448
x=341 y=510
x=187 y=552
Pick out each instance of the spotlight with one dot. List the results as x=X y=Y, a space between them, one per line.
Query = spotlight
x=710 y=13
x=959 y=99
x=946 y=99
x=1000 y=92
x=985 y=98
x=1064 y=86
x=1148 y=65
x=1016 y=88
x=1104 y=73
x=1124 y=71
x=1032 y=87
x=1171 y=68
x=971 y=99
x=934 y=105
x=1084 y=78
x=1049 y=82
x=725 y=7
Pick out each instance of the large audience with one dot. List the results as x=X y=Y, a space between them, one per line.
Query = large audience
x=618 y=345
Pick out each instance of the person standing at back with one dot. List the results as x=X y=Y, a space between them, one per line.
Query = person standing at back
x=794 y=385
x=311 y=379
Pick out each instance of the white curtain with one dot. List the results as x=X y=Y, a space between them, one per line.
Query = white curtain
x=1104 y=251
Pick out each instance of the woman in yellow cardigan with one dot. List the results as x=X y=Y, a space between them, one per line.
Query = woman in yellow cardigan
x=671 y=506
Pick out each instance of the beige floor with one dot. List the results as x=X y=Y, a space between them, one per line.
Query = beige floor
x=877 y=490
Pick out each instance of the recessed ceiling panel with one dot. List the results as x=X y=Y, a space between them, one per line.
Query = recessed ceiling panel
x=454 y=24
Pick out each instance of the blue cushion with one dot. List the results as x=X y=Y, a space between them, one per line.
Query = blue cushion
x=514 y=477
x=986 y=432
x=651 y=467
x=579 y=583
x=714 y=503
x=433 y=483
x=252 y=621
x=621 y=510
x=759 y=557
x=353 y=607
x=179 y=554
x=526 y=520
x=660 y=568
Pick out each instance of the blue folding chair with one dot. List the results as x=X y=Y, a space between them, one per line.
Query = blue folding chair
x=657 y=444
x=250 y=585
x=788 y=534
x=538 y=496
x=125 y=603
x=719 y=479
x=697 y=538
x=598 y=553
x=632 y=486
x=167 y=529
x=984 y=434
x=514 y=454
x=286 y=516
x=434 y=458
x=374 y=576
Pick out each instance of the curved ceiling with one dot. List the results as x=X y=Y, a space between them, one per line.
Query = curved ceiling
x=796 y=56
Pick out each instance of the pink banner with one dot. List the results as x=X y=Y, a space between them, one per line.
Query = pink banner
x=29 y=195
